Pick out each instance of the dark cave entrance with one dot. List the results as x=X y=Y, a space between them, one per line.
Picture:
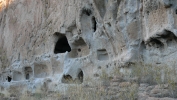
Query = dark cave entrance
x=88 y=12
x=27 y=76
x=62 y=45
x=94 y=24
x=69 y=80
x=80 y=76
x=9 y=78
x=28 y=73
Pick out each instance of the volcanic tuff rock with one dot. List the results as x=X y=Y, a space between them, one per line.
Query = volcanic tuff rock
x=55 y=43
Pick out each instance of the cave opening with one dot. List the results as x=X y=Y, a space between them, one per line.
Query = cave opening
x=86 y=11
x=80 y=76
x=94 y=24
x=156 y=43
x=102 y=54
x=80 y=49
x=69 y=79
x=9 y=78
x=62 y=45
x=28 y=73
x=27 y=76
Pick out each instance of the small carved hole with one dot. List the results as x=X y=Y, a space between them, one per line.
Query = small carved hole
x=9 y=78
x=79 y=50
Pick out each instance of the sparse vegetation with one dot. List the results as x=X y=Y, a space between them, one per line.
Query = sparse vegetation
x=129 y=92
x=122 y=88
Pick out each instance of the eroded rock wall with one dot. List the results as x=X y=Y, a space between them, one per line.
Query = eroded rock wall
x=60 y=42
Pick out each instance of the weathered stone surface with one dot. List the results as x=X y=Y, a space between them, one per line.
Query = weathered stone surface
x=49 y=45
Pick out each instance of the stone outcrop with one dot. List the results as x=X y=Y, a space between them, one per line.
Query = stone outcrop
x=52 y=44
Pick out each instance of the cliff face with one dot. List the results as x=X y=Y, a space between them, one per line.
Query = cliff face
x=68 y=41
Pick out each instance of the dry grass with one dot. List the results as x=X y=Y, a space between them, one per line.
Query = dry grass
x=97 y=90
x=129 y=92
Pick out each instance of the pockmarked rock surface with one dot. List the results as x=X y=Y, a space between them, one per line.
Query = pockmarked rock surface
x=49 y=45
